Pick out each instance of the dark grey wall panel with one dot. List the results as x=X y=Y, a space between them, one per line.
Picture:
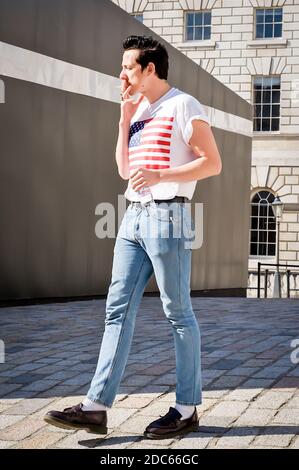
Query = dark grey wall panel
x=57 y=159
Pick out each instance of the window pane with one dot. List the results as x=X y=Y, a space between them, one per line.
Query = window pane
x=139 y=18
x=198 y=19
x=272 y=237
x=198 y=33
x=266 y=97
x=189 y=34
x=207 y=32
x=266 y=110
x=207 y=18
x=271 y=250
x=258 y=82
x=259 y=31
x=253 y=249
x=264 y=195
x=260 y=16
x=190 y=19
x=275 y=96
x=254 y=222
x=262 y=224
x=278 y=30
x=253 y=236
x=276 y=82
x=257 y=124
x=266 y=125
x=254 y=207
x=275 y=125
x=257 y=96
x=278 y=15
x=258 y=110
x=269 y=16
x=275 y=110
x=268 y=30
x=262 y=249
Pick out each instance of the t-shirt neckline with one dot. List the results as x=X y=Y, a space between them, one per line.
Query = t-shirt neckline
x=150 y=105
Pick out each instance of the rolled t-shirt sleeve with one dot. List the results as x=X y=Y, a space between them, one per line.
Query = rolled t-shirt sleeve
x=188 y=110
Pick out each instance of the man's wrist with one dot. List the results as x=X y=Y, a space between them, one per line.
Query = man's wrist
x=124 y=122
x=163 y=175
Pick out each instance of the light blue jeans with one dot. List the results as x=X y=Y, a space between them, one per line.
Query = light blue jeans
x=150 y=239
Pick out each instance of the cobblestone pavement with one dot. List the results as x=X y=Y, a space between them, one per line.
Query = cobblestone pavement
x=251 y=397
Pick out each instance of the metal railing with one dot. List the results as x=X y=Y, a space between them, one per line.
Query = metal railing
x=288 y=272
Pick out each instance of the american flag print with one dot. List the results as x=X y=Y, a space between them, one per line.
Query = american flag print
x=149 y=143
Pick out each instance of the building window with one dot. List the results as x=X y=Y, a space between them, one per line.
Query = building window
x=138 y=16
x=262 y=226
x=268 y=23
x=266 y=101
x=198 y=25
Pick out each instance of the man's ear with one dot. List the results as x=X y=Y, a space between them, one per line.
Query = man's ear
x=151 y=68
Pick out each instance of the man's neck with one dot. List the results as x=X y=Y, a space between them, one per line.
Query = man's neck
x=157 y=91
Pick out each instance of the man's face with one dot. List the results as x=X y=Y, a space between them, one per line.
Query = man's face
x=131 y=71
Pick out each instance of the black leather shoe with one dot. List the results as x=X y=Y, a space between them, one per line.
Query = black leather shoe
x=171 y=425
x=75 y=418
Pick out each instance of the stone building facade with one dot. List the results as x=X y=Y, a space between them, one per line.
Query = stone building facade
x=252 y=46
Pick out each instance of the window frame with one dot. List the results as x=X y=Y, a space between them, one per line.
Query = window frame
x=202 y=26
x=255 y=23
x=258 y=230
x=254 y=116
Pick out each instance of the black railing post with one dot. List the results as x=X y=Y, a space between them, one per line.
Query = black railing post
x=288 y=282
x=266 y=282
x=258 y=280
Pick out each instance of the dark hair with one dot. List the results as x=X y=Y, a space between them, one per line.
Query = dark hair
x=150 y=51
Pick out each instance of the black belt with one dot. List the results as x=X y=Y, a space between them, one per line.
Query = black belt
x=169 y=201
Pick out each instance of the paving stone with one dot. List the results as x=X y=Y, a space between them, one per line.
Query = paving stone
x=234 y=441
x=134 y=401
x=8 y=420
x=274 y=437
x=271 y=400
x=243 y=394
x=21 y=429
x=41 y=440
x=118 y=416
x=6 y=444
x=287 y=416
x=295 y=443
x=255 y=417
x=192 y=441
x=27 y=407
x=137 y=380
x=135 y=424
x=40 y=385
x=115 y=440
x=229 y=408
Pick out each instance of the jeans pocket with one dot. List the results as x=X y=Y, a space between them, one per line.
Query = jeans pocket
x=166 y=213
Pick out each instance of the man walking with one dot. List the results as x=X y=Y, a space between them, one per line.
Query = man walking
x=165 y=144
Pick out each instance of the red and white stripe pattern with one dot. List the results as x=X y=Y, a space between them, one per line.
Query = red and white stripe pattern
x=149 y=143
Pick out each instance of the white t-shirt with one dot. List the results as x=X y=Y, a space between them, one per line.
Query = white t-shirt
x=159 y=136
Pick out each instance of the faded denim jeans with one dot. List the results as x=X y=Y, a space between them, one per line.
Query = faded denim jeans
x=150 y=239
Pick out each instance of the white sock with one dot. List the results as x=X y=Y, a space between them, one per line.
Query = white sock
x=89 y=405
x=185 y=410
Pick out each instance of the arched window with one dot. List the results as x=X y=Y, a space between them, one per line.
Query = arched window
x=263 y=226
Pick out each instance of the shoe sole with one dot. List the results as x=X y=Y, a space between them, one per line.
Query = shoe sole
x=150 y=435
x=92 y=428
